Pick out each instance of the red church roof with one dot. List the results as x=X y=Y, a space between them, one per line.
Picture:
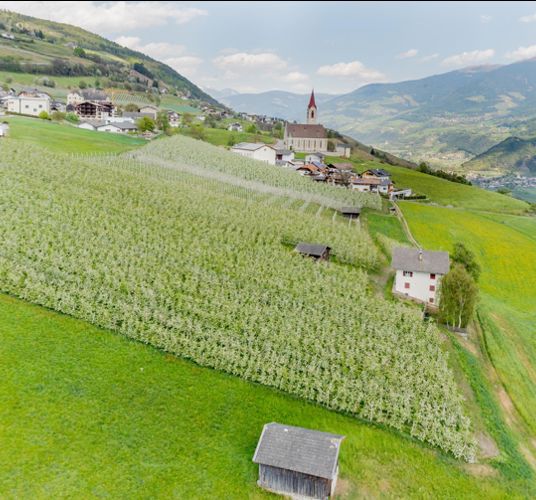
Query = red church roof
x=312 y=103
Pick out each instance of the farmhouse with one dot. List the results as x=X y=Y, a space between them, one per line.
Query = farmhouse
x=372 y=185
x=235 y=127
x=29 y=102
x=311 y=157
x=376 y=173
x=256 y=150
x=319 y=252
x=152 y=111
x=419 y=273
x=297 y=462
x=174 y=119
x=307 y=137
x=78 y=96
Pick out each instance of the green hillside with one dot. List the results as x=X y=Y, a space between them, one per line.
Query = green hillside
x=46 y=48
x=115 y=418
x=512 y=155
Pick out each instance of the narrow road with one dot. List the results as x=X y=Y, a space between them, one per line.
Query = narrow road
x=405 y=226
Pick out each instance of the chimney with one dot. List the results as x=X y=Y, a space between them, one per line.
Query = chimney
x=420 y=254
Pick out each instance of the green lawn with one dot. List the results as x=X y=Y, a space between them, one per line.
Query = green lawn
x=67 y=138
x=506 y=250
x=86 y=413
x=387 y=225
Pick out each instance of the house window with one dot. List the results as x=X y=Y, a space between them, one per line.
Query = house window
x=408 y=274
x=26 y=106
x=432 y=288
x=406 y=285
x=431 y=300
x=432 y=276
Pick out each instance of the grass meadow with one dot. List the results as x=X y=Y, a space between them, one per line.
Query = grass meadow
x=63 y=138
x=505 y=247
x=117 y=418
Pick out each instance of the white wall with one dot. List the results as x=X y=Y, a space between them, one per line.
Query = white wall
x=264 y=153
x=110 y=128
x=28 y=105
x=419 y=285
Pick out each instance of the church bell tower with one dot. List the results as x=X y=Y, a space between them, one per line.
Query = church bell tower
x=311 y=110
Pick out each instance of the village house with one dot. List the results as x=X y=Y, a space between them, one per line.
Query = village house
x=235 y=127
x=29 y=102
x=372 y=185
x=256 y=151
x=309 y=137
x=174 y=119
x=133 y=116
x=320 y=157
x=376 y=173
x=344 y=150
x=298 y=462
x=151 y=111
x=117 y=127
x=78 y=96
x=284 y=157
x=419 y=273
x=90 y=104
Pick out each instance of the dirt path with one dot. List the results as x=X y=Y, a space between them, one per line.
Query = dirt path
x=405 y=226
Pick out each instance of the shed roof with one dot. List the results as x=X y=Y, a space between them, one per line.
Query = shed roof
x=378 y=172
x=407 y=259
x=301 y=450
x=313 y=249
x=342 y=165
x=350 y=210
x=306 y=131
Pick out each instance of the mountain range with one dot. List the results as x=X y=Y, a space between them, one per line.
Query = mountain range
x=448 y=118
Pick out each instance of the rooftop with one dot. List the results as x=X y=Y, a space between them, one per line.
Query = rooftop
x=250 y=146
x=313 y=249
x=301 y=450
x=306 y=131
x=413 y=259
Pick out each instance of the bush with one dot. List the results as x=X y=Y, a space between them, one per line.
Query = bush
x=79 y=52
x=43 y=115
x=72 y=118
x=58 y=116
x=82 y=84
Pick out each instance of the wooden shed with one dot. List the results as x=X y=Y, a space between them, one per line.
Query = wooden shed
x=320 y=252
x=298 y=462
x=350 y=212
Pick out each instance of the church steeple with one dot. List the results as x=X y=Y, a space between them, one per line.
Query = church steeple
x=311 y=109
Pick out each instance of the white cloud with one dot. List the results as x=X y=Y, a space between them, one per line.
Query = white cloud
x=107 y=17
x=295 y=77
x=522 y=53
x=429 y=58
x=244 y=61
x=484 y=19
x=185 y=65
x=528 y=19
x=408 y=54
x=354 y=69
x=158 y=50
x=469 y=58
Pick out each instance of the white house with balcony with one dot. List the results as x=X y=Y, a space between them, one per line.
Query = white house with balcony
x=256 y=151
x=419 y=273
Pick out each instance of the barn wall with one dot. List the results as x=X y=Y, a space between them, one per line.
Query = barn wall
x=290 y=482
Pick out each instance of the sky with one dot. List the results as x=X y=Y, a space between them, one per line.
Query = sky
x=334 y=47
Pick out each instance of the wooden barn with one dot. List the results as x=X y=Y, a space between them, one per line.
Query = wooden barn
x=350 y=212
x=319 y=252
x=297 y=462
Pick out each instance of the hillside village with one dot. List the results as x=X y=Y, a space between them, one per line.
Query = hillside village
x=277 y=308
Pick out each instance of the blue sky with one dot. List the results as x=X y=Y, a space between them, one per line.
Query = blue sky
x=333 y=46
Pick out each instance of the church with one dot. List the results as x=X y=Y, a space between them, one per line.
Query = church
x=307 y=137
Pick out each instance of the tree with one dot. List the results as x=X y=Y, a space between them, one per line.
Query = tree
x=458 y=295
x=72 y=118
x=231 y=141
x=146 y=124
x=252 y=129
x=58 y=116
x=465 y=257
x=197 y=131
x=79 y=52
x=162 y=120
x=82 y=84
x=43 y=115
x=131 y=107
x=187 y=119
